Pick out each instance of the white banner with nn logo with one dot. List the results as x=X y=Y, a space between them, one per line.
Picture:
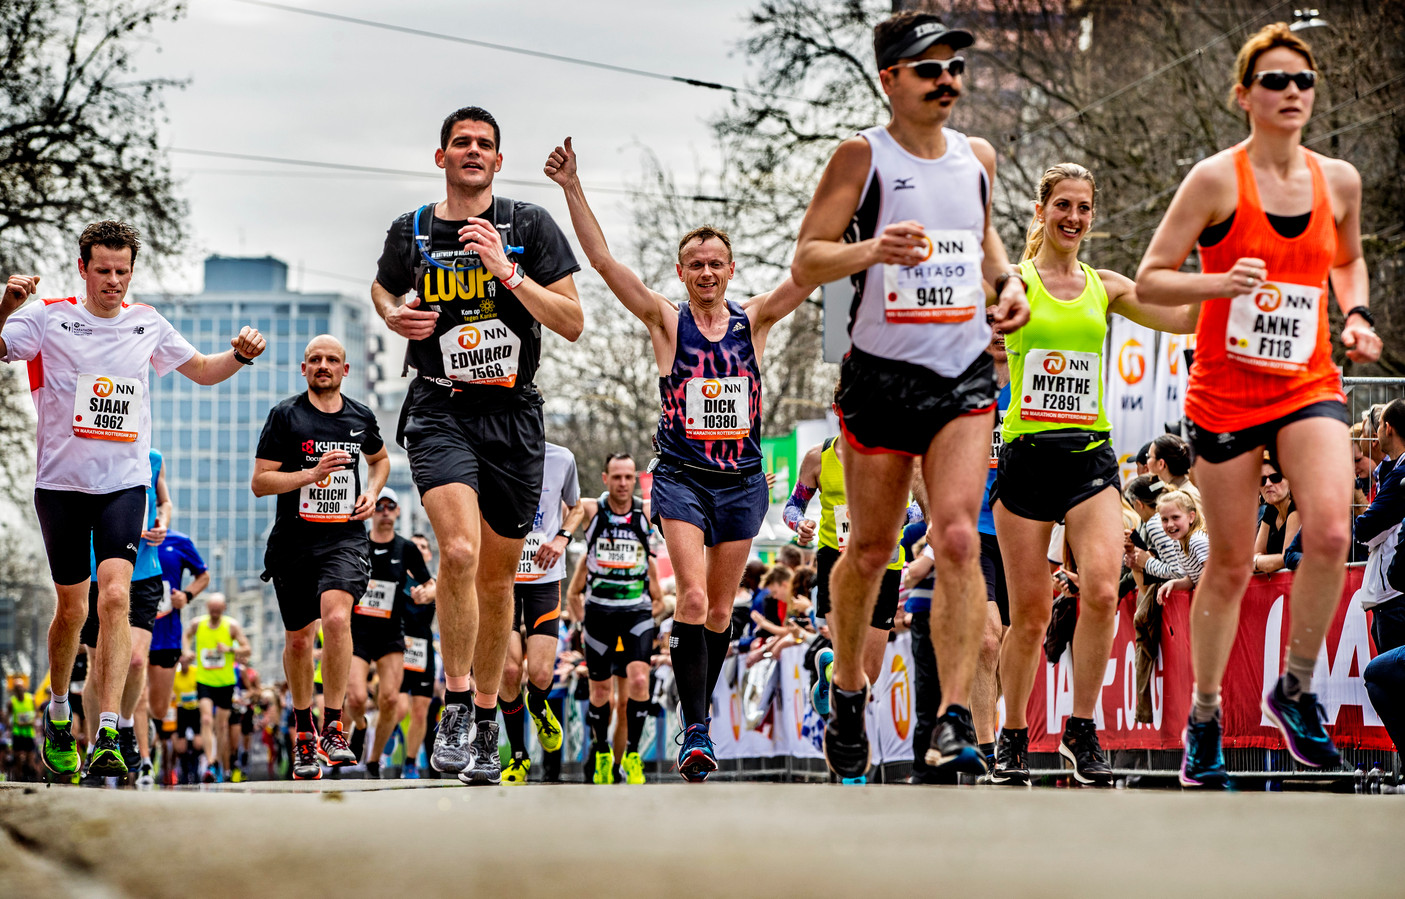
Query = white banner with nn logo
x=1128 y=391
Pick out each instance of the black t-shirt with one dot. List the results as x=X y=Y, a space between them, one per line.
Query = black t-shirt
x=391 y=564
x=488 y=340
x=317 y=517
x=1268 y=514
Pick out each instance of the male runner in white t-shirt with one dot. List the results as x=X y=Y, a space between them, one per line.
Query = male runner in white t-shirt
x=88 y=360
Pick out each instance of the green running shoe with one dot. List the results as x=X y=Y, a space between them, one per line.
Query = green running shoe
x=548 y=728
x=106 y=758
x=60 y=751
x=633 y=765
x=604 y=767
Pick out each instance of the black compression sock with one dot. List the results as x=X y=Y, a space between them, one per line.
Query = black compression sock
x=537 y=699
x=688 y=650
x=453 y=697
x=716 y=655
x=330 y=716
x=514 y=717
x=597 y=721
x=636 y=713
x=485 y=716
x=302 y=720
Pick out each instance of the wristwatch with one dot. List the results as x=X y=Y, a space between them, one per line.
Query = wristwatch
x=1362 y=311
x=514 y=280
x=564 y=533
x=242 y=359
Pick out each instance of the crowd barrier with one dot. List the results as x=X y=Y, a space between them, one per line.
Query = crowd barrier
x=791 y=729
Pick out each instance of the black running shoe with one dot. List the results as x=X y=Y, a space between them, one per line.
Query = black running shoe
x=1012 y=758
x=954 y=746
x=846 y=746
x=373 y=771
x=358 y=742
x=306 y=764
x=1080 y=747
x=127 y=743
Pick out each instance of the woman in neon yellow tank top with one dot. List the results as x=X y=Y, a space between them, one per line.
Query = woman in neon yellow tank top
x=1057 y=463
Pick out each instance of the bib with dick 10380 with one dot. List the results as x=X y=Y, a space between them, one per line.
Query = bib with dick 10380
x=330 y=500
x=416 y=654
x=1060 y=385
x=106 y=407
x=944 y=288
x=378 y=601
x=527 y=567
x=717 y=408
x=1274 y=329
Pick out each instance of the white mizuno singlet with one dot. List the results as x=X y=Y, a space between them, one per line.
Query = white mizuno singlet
x=931 y=314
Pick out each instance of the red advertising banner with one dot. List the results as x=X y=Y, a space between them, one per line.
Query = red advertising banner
x=1254 y=663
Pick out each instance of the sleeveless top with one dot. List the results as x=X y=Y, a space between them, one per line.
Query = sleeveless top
x=214 y=668
x=833 y=531
x=1268 y=353
x=617 y=557
x=933 y=313
x=1056 y=360
x=712 y=398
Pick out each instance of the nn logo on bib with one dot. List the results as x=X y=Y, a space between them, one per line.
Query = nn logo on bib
x=1268 y=298
x=1055 y=363
x=469 y=337
x=712 y=389
x=325 y=482
x=104 y=387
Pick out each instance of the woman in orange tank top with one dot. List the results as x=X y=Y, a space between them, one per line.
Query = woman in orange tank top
x=1274 y=223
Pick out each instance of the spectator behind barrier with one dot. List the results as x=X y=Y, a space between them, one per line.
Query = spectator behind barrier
x=1181 y=520
x=1169 y=459
x=1379 y=528
x=1278 y=519
x=1149 y=555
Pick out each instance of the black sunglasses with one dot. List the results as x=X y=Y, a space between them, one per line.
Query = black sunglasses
x=934 y=68
x=1277 y=79
x=386 y=504
x=1267 y=479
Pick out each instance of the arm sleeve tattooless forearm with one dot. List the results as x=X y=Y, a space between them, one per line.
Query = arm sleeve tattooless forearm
x=796 y=505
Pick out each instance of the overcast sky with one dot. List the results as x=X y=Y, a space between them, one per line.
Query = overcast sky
x=269 y=82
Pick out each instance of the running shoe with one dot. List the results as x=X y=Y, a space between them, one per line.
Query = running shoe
x=854 y=780
x=146 y=777
x=127 y=745
x=548 y=728
x=453 y=743
x=236 y=776
x=332 y=748
x=357 y=743
x=410 y=771
x=1081 y=748
x=373 y=771
x=633 y=765
x=106 y=758
x=1011 y=758
x=954 y=747
x=1203 y=762
x=819 y=694
x=486 y=769
x=846 y=746
x=59 y=751
x=306 y=764
x=516 y=770
x=604 y=767
x=696 y=759
x=1301 y=724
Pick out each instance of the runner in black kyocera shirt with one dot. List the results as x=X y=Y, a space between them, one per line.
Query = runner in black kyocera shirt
x=314 y=541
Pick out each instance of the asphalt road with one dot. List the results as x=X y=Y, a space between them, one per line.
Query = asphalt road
x=411 y=839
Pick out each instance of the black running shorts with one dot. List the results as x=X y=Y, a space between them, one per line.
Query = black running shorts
x=500 y=454
x=300 y=585
x=1216 y=448
x=897 y=407
x=537 y=609
x=141 y=611
x=1041 y=480
x=221 y=697
x=372 y=638
x=163 y=658
x=67 y=519
x=993 y=570
x=606 y=629
x=187 y=722
x=884 y=610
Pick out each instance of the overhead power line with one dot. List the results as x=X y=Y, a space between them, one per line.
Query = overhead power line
x=409 y=173
x=507 y=48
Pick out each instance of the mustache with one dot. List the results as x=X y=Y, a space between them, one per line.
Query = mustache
x=942 y=90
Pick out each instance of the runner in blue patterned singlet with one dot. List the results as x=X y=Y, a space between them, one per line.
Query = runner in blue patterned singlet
x=709 y=493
